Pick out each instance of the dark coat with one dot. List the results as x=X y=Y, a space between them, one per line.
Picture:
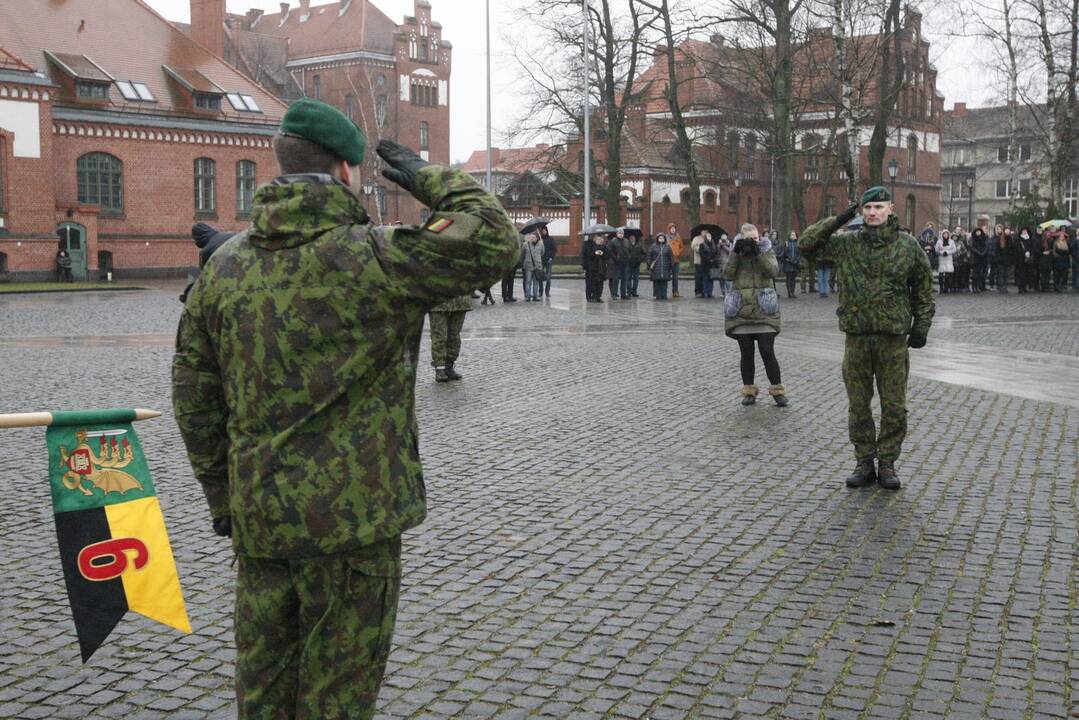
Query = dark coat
x=550 y=247
x=792 y=257
x=979 y=248
x=1032 y=245
x=660 y=261
x=634 y=253
x=709 y=254
x=594 y=258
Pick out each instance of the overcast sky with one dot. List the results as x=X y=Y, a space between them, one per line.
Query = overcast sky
x=960 y=75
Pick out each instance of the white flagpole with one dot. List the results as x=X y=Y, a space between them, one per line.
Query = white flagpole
x=587 y=123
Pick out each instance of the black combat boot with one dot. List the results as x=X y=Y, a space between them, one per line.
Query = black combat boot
x=863 y=474
x=453 y=374
x=887 y=477
x=441 y=375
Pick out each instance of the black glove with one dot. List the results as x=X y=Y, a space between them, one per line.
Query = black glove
x=403 y=163
x=223 y=526
x=916 y=341
x=843 y=219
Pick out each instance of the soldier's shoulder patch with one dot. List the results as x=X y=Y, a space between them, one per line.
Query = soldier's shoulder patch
x=437 y=226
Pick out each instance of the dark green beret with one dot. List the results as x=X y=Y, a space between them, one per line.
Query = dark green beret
x=876 y=194
x=326 y=125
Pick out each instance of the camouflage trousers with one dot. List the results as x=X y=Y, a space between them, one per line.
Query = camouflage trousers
x=883 y=358
x=446 y=337
x=313 y=634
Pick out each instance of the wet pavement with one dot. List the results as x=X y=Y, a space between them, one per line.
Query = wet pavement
x=610 y=533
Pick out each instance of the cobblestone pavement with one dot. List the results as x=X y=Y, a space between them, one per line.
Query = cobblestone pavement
x=611 y=534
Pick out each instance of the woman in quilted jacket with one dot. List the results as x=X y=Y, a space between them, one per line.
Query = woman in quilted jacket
x=752 y=311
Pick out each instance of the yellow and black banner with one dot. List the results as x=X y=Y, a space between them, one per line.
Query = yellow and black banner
x=114 y=547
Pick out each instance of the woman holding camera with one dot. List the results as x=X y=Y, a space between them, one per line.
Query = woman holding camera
x=752 y=311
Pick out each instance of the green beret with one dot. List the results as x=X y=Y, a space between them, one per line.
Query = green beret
x=326 y=125
x=876 y=194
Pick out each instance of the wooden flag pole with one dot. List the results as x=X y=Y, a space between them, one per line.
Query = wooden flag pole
x=38 y=419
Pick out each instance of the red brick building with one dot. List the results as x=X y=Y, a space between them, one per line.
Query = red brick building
x=392 y=79
x=117 y=133
x=728 y=123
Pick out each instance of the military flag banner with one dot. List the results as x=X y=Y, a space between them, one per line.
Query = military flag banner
x=114 y=548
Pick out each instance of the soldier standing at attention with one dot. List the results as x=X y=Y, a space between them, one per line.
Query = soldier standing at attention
x=447 y=320
x=885 y=306
x=293 y=387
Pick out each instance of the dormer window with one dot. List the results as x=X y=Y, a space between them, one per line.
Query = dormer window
x=206 y=101
x=205 y=93
x=92 y=90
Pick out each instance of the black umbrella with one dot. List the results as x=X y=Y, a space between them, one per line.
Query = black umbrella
x=716 y=230
x=598 y=229
x=534 y=224
x=632 y=232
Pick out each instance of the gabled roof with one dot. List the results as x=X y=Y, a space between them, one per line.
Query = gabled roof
x=331 y=28
x=126 y=40
x=514 y=160
x=991 y=122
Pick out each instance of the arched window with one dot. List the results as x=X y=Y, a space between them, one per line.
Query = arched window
x=318 y=87
x=666 y=201
x=912 y=155
x=912 y=212
x=100 y=179
x=732 y=203
x=425 y=136
x=205 y=185
x=710 y=200
x=732 y=148
x=245 y=186
x=749 y=209
x=751 y=149
x=350 y=103
x=683 y=197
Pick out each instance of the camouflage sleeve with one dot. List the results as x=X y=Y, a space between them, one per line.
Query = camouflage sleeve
x=198 y=402
x=920 y=281
x=468 y=242
x=815 y=239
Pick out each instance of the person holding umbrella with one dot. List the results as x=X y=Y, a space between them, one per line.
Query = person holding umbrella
x=550 y=251
x=594 y=260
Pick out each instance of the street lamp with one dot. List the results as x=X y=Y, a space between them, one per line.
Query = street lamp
x=737 y=201
x=893 y=170
x=970 y=201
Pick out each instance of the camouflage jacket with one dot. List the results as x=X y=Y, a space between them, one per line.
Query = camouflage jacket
x=296 y=357
x=883 y=276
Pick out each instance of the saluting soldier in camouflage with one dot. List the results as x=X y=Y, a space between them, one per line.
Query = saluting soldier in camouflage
x=447 y=320
x=885 y=306
x=293 y=387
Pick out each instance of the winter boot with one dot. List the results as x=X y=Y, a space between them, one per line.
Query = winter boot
x=779 y=394
x=886 y=476
x=453 y=374
x=863 y=475
x=749 y=394
x=441 y=375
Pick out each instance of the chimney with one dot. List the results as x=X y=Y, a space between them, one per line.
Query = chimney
x=960 y=109
x=718 y=39
x=305 y=10
x=284 y=11
x=252 y=18
x=208 y=25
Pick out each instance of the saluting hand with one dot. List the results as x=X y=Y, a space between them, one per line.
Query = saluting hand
x=403 y=163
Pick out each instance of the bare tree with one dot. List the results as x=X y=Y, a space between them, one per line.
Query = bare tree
x=684 y=152
x=553 y=72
